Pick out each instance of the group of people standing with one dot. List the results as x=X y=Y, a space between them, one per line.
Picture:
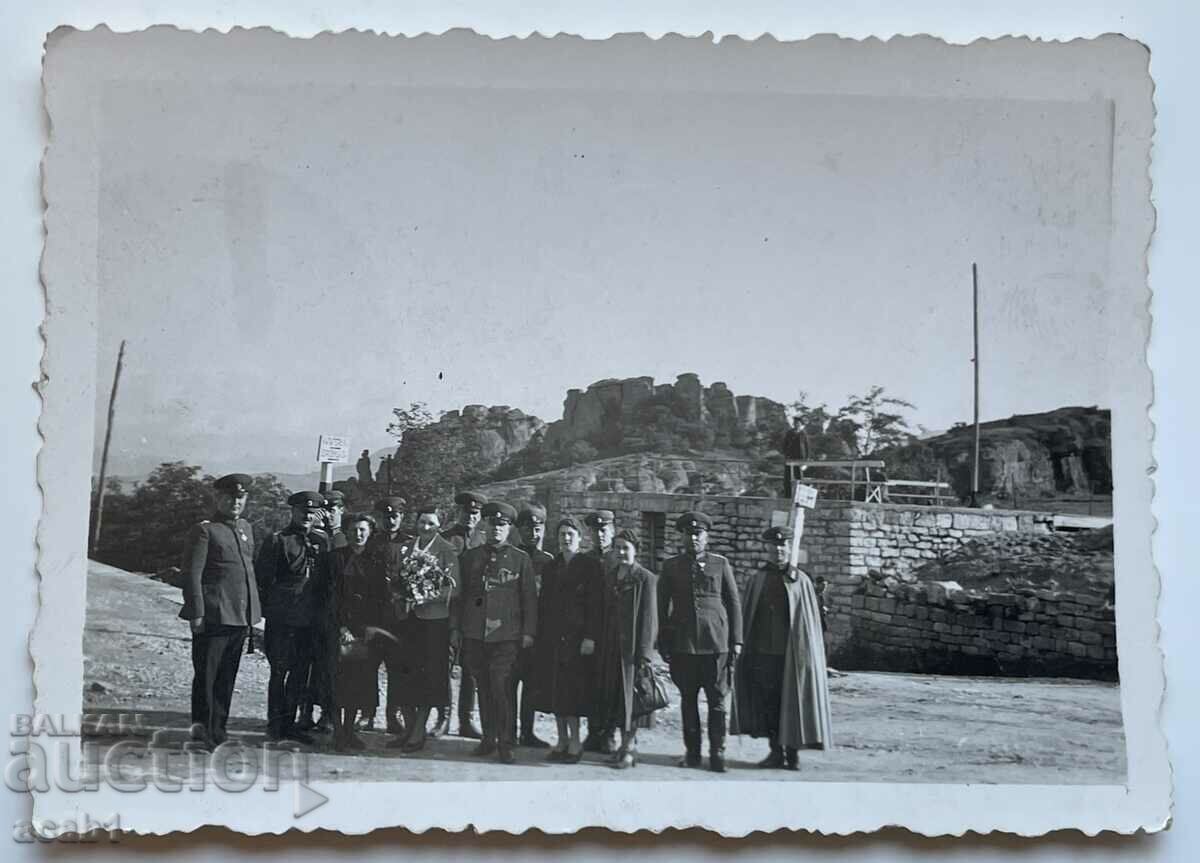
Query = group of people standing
x=570 y=634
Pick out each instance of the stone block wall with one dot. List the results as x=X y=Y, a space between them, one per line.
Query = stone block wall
x=936 y=628
x=737 y=522
x=882 y=614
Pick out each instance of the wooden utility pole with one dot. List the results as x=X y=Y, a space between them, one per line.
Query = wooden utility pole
x=975 y=362
x=112 y=403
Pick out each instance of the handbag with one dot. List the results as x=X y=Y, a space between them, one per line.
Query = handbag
x=649 y=692
x=372 y=644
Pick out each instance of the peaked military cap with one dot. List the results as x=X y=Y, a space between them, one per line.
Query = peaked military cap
x=499 y=509
x=532 y=513
x=599 y=517
x=693 y=520
x=777 y=535
x=470 y=499
x=234 y=483
x=307 y=499
x=427 y=506
x=390 y=504
x=335 y=498
x=629 y=536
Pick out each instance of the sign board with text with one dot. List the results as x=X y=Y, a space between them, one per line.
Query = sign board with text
x=333 y=449
x=805 y=496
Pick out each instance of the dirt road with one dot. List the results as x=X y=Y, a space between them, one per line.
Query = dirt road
x=889 y=727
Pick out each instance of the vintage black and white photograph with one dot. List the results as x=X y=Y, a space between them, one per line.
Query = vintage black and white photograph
x=593 y=417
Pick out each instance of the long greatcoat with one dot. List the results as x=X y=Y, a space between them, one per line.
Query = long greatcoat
x=805 y=720
x=630 y=629
x=569 y=611
x=358 y=593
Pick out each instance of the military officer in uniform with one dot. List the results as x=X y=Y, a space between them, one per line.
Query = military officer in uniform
x=221 y=603
x=463 y=534
x=318 y=693
x=335 y=510
x=290 y=566
x=603 y=524
x=700 y=635
x=531 y=522
x=493 y=617
x=391 y=544
x=391 y=520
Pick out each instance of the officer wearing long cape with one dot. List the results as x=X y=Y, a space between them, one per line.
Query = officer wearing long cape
x=781 y=687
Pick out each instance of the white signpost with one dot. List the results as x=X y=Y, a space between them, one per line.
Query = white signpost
x=803 y=497
x=331 y=449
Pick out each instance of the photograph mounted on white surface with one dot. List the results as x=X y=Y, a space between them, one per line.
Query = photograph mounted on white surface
x=683 y=412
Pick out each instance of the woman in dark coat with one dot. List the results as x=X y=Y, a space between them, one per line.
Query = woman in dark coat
x=358 y=592
x=630 y=630
x=569 y=622
x=423 y=672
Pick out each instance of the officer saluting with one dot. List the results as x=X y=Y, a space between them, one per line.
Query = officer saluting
x=494 y=616
x=700 y=634
x=290 y=568
x=220 y=601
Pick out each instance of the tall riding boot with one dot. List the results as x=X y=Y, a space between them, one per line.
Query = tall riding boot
x=692 y=739
x=466 y=704
x=774 y=758
x=792 y=758
x=716 y=741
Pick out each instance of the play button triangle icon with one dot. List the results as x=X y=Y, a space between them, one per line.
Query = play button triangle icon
x=307 y=800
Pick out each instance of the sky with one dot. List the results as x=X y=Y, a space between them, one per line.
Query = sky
x=286 y=261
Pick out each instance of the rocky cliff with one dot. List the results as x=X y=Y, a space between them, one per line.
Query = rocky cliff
x=487 y=436
x=1063 y=452
x=612 y=418
x=635 y=414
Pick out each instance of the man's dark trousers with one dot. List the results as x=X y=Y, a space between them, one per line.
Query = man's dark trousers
x=523 y=705
x=691 y=673
x=290 y=651
x=216 y=655
x=493 y=665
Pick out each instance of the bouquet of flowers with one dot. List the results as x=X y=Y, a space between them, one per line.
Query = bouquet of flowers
x=421 y=579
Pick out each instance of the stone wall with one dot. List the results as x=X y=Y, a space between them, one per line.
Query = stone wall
x=883 y=612
x=939 y=628
x=884 y=616
x=737 y=522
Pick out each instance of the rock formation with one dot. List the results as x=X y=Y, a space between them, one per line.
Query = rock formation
x=635 y=414
x=1063 y=452
x=487 y=436
x=617 y=417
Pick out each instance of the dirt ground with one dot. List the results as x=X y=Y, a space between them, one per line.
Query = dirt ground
x=888 y=727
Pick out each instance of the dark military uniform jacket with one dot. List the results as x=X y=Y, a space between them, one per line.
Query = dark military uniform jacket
x=218 y=574
x=291 y=569
x=699 y=609
x=539 y=558
x=391 y=549
x=461 y=537
x=498 y=599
